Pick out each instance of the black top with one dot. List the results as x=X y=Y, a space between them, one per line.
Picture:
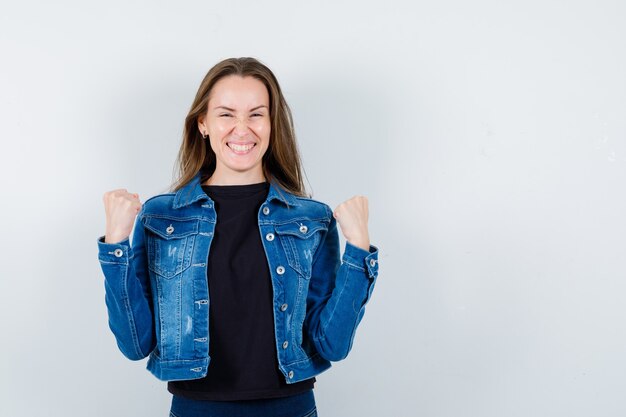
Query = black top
x=242 y=343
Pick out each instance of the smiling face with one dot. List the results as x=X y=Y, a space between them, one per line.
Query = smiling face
x=238 y=126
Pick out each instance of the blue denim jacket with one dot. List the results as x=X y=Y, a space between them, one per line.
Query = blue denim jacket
x=156 y=289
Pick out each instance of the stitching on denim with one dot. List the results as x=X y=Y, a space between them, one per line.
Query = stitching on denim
x=168 y=217
x=307 y=361
x=335 y=307
x=161 y=342
x=179 y=315
x=293 y=219
x=354 y=327
x=310 y=199
x=292 y=232
x=113 y=263
x=293 y=255
x=323 y=237
x=129 y=313
x=360 y=268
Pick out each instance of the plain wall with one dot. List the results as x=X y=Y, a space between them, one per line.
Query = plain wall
x=489 y=137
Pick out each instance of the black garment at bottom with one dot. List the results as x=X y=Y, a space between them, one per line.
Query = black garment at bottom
x=298 y=405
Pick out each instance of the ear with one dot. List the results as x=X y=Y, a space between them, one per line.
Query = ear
x=201 y=126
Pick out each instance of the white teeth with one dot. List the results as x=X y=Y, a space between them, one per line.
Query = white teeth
x=240 y=148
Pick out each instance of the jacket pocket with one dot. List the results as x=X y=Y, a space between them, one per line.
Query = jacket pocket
x=300 y=240
x=170 y=244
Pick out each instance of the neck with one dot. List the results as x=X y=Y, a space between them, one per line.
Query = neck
x=244 y=179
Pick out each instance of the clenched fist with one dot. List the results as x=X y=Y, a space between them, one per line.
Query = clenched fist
x=121 y=208
x=352 y=217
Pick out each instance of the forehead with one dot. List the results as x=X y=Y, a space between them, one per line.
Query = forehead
x=234 y=91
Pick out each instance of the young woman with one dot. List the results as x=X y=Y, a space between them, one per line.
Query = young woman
x=239 y=227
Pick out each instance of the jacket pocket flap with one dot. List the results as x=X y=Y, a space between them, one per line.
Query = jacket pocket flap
x=170 y=227
x=302 y=229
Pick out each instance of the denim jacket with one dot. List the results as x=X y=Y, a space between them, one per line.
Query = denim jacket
x=156 y=289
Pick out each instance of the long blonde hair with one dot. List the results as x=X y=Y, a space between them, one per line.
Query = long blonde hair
x=281 y=162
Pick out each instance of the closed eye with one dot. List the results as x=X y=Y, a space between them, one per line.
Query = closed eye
x=229 y=115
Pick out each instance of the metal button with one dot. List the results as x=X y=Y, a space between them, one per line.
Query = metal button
x=303 y=229
x=118 y=252
x=169 y=229
x=372 y=262
x=285 y=344
x=269 y=236
x=283 y=307
x=266 y=210
x=280 y=270
x=290 y=374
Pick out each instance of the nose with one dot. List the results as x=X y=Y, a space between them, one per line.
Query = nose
x=241 y=127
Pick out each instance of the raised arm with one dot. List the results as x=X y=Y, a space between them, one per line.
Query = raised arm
x=127 y=292
x=338 y=292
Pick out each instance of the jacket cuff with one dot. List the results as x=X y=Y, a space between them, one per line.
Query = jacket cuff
x=362 y=259
x=114 y=252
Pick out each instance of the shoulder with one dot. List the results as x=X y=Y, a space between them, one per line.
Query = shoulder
x=158 y=204
x=315 y=208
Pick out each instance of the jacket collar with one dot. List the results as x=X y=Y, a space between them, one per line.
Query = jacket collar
x=192 y=192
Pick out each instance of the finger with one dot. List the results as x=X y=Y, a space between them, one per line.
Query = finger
x=118 y=190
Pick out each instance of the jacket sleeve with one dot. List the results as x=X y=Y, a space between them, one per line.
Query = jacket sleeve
x=338 y=292
x=127 y=292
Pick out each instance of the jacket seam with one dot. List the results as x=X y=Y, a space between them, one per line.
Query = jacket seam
x=360 y=268
x=112 y=263
x=129 y=313
x=316 y=354
x=332 y=314
x=354 y=326
x=316 y=253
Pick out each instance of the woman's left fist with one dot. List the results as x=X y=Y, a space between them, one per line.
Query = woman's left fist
x=352 y=216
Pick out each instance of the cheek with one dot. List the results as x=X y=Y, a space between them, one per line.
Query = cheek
x=221 y=127
x=263 y=129
x=214 y=147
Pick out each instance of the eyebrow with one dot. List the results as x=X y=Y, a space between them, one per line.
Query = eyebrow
x=229 y=109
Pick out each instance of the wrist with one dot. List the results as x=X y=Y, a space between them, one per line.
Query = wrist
x=360 y=243
x=114 y=238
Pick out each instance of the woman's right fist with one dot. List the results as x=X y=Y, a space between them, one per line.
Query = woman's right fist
x=121 y=208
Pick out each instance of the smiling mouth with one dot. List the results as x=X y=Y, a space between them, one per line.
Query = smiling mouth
x=241 y=149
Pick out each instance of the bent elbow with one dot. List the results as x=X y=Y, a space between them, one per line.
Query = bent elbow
x=332 y=351
x=336 y=356
x=131 y=353
x=136 y=350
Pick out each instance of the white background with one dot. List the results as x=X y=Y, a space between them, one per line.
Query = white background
x=489 y=137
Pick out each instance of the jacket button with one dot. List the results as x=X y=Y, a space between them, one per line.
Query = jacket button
x=266 y=210
x=169 y=229
x=285 y=344
x=269 y=236
x=290 y=374
x=303 y=229
x=280 y=270
x=118 y=252
x=283 y=307
x=372 y=262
